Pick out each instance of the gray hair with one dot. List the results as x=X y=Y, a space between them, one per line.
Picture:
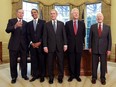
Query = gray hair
x=74 y=9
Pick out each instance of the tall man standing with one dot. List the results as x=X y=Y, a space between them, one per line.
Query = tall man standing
x=75 y=31
x=55 y=43
x=35 y=33
x=17 y=45
x=100 y=46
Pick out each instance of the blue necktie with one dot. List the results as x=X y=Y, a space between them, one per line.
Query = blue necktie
x=34 y=24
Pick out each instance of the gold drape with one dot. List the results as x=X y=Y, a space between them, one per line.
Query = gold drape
x=62 y=2
x=46 y=5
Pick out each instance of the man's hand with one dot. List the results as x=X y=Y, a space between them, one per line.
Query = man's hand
x=90 y=50
x=37 y=44
x=33 y=45
x=65 y=48
x=108 y=53
x=46 y=49
x=18 y=24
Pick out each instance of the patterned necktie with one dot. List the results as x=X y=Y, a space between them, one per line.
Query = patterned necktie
x=34 y=24
x=75 y=27
x=99 y=30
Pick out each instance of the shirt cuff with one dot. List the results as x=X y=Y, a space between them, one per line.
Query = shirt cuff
x=31 y=42
x=65 y=46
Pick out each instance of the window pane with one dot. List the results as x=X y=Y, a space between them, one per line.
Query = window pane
x=27 y=6
x=92 y=10
x=63 y=13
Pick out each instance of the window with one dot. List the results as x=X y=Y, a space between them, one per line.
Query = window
x=27 y=7
x=63 y=12
x=91 y=11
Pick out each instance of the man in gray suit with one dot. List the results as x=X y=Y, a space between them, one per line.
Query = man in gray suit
x=100 y=46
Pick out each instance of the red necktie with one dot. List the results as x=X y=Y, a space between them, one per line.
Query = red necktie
x=75 y=27
x=99 y=30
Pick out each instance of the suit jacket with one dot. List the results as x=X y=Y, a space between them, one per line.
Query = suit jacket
x=18 y=35
x=100 y=44
x=75 y=42
x=35 y=36
x=54 y=40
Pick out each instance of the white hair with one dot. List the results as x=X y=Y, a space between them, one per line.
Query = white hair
x=99 y=13
x=74 y=9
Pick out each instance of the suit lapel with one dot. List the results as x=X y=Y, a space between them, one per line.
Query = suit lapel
x=72 y=28
x=37 y=25
x=57 y=28
x=96 y=29
x=51 y=27
x=103 y=28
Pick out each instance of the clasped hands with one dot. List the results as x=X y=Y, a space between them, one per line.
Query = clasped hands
x=36 y=45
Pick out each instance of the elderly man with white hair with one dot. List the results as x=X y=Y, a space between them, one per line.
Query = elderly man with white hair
x=75 y=31
x=100 y=46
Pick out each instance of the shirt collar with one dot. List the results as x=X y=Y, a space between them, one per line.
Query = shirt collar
x=36 y=19
x=55 y=22
x=75 y=20
x=101 y=24
x=19 y=19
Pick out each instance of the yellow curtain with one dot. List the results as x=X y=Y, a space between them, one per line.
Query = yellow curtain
x=46 y=5
x=62 y=2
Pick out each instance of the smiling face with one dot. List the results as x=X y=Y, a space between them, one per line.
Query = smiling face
x=53 y=14
x=100 y=17
x=20 y=13
x=34 y=13
x=75 y=13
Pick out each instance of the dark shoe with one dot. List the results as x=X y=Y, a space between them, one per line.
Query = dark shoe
x=13 y=80
x=50 y=81
x=33 y=79
x=60 y=80
x=103 y=82
x=25 y=78
x=70 y=79
x=78 y=79
x=42 y=79
x=93 y=81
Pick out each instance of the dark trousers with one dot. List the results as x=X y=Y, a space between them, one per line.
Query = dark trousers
x=13 y=62
x=50 y=62
x=95 y=60
x=37 y=62
x=74 y=60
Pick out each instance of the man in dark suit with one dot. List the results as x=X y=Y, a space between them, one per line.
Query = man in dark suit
x=100 y=46
x=35 y=33
x=55 y=43
x=75 y=31
x=17 y=45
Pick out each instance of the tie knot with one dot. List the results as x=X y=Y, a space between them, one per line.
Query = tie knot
x=54 y=21
x=74 y=21
x=35 y=20
x=99 y=24
x=20 y=20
